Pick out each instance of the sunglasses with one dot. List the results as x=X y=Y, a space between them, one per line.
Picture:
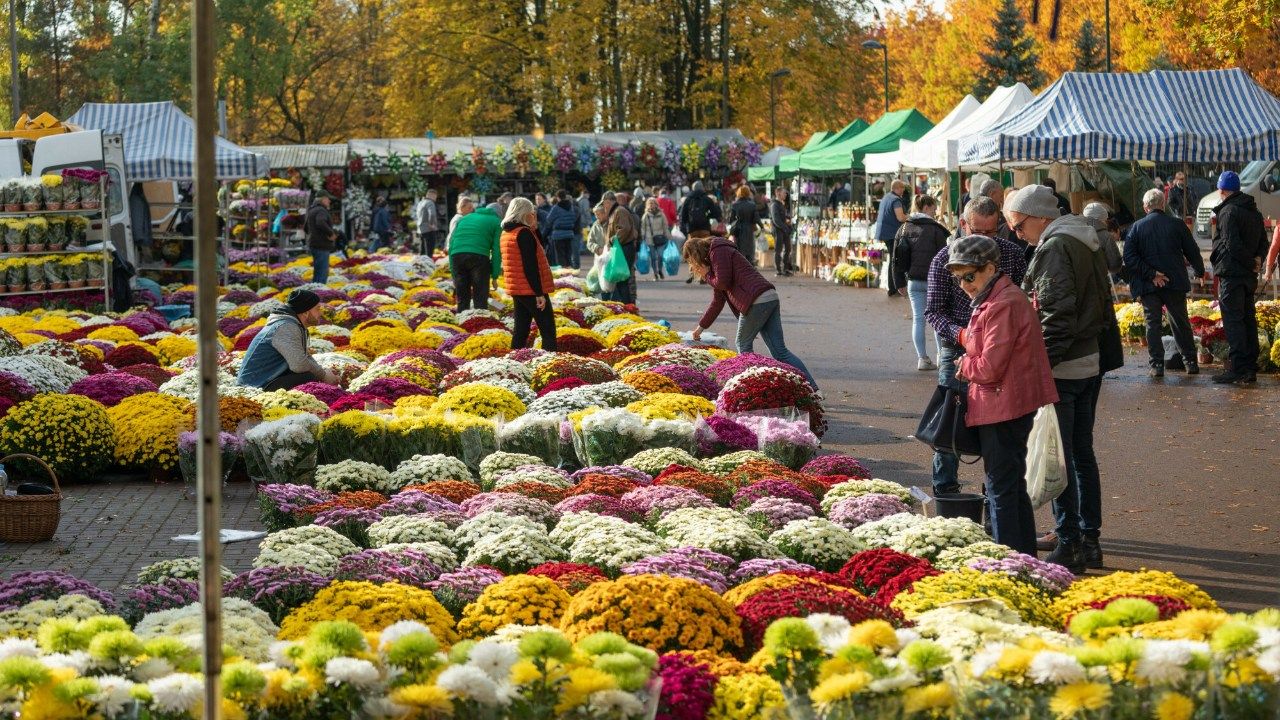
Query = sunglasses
x=1017 y=229
x=968 y=277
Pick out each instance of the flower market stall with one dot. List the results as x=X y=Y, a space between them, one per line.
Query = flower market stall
x=629 y=528
x=309 y=169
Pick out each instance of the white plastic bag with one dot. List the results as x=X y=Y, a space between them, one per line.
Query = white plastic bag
x=1046 y=465
x=602 y=261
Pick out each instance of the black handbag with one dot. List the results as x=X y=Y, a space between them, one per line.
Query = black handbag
x=1110 y=348
x=942 y=426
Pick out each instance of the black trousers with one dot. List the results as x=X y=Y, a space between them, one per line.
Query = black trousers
x=471 y=273
x=563 y=251
x=1240 y=322
x=526 y=311
x=1176 y=303
x=289 y=381
x=1004 y=457
x=782 y=252
x=430 y=240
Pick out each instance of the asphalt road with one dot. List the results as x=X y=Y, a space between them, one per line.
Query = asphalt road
x=1188 y=468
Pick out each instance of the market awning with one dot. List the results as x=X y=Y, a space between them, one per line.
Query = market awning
x=1193 y=116
x=301 y=157
x=159 y=142
x=931 y=144
x=882 y=136
x=404 y=147
x=790 y=165
x=1005 y=102
x=767 y=170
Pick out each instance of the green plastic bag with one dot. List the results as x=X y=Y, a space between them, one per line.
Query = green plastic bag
x=617 y=271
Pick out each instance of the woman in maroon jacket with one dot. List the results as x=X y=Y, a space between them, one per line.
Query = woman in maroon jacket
x=753 y=300
x=1007 y=369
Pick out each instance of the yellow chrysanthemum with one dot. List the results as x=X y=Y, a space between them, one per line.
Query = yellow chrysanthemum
x=1174 y=706
x=839 y=687
x=935 y=696
x=425 y=700
x=875 y=634
x=113 y=333
x=1076 y=698
x=581 y=683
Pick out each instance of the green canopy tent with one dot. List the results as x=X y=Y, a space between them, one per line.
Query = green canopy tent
x=882 y=136
x=767 y=170
x=819 y=142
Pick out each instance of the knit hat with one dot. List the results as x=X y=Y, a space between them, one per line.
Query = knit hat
x=973 y=251
x=301 y=300
x=1229 y=181
x=1096 y=211
x=1034 y=201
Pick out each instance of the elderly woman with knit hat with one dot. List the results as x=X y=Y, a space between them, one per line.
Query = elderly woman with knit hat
x=279 y=358
x=527 y=274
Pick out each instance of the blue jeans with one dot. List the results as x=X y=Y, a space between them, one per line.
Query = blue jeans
x=320 y=265
x=578 y=247
x=1004 y=457
x=1078 y=511
x=765 y=319
x=917 y=290
x=946 y=467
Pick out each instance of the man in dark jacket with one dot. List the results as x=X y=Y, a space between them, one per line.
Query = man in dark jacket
x=1157 y=250
x=318 y=225
x=380 y=225
x=562 y=226
x=698 y=211
x=781 y=220
x=1239 y=244
x=1182 y=199
x=1067 y=282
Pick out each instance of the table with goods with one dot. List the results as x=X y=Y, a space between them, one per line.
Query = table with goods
x=631 y=527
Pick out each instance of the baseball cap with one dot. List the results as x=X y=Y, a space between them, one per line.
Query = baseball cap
x=973 y=251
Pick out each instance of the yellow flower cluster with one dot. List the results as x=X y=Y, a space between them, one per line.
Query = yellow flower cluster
x=353 y=435
x=147 y=428
x=482 y=400
x=641 y=336
x=114 y=333
x=672 y=406
x=661 y=613
x=379 y=339
x=483 y=346
x=1144 y=582
x=232 y=411
x=291 y=400
x=515 y=600
x=71 y=433
x=650 y=382
x=372 y=607
x=1131 y=319
x=748 y=697
x=719 y=665
x=932 y=592
x=174 y=348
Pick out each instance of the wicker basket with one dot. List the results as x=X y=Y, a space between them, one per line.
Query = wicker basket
x=30 y=518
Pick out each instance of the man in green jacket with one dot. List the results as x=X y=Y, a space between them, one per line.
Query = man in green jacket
x=475 y=257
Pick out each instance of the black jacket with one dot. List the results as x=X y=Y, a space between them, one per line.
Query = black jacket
x=1179 y=195
x=1067 y=279
x=780 y=220
x=697 y=212
x=1160 y=243
x=919 y=240
x=744 y=218
x=319 y=227
x=1240 y=238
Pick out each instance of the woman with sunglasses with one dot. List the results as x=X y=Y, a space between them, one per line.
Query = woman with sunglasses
x=1007 y=369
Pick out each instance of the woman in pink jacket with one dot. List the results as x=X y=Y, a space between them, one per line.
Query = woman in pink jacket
x=1007 y=368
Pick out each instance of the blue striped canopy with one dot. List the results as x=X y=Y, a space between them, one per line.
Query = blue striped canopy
x=1198 y=116
x=159 y=142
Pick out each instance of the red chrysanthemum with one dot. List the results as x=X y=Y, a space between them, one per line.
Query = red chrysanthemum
x=688 y=688
x=476 y=324
x=573 y=577
x=837 y=464
x=599 y=484
x=561 y=384
x=802 y=600
x=126 y=355
x=870 y=570
x=146 y=371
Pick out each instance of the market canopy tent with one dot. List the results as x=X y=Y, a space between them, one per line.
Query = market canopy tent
x=301 y=157
x=882 y=136
x=790 y=165
x=930 y=144
x=159 y=142
x=404 y=147
x=1193 y=116
x=767 y=170
x=1003 y=103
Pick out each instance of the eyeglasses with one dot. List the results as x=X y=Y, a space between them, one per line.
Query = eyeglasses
x=968 y=277
x=1017 y=229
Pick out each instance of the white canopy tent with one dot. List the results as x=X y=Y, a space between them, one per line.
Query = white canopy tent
x=1004 y=103
x=910 y=152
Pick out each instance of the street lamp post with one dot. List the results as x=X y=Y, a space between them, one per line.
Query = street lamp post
x=877 y=45
x=773 y=107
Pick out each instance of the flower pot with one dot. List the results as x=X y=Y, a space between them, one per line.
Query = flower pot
x=53 y=206
x=59 y=285
x=75 y=283
x=39 y=286
x=1142 y=342
x=89 y=204
x=40 y=247
x=97 y=282
x=71 y=205
x=13 y=207
x=31 y=206
x=1206 y=357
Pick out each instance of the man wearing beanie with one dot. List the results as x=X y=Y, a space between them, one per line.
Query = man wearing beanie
x=1067 y=282
x=279 y=357
x=1239 y=243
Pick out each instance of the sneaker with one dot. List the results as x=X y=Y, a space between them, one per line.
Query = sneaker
x=1250 y=379
x=1092 y=552
x=1193 y=368
x=1047 y=541
x=1069 y=556
x=924 y=364
x=1231 y=378
x=1156 y=371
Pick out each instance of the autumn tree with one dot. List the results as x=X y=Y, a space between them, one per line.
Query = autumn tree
x=1090 y=50
x=1011 y=55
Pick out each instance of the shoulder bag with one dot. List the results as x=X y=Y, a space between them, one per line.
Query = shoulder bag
x=942 y=426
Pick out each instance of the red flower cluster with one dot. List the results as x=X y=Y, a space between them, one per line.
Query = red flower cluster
x=571 y=366
x=476 y=324
x=804 y=599
x=773 y=488
x=454 y=490
x=821 y=576
x=610 y=357
x=601 y=484
x=357 y=401
x=837 y=464
x=538 y=491
x=126 y=355
x=688 y=688
x=148 y=371
x=561 y=384
x=905 y=582
x=583 y=345
x=719 y=491
x=573 y=577
x=871 y=570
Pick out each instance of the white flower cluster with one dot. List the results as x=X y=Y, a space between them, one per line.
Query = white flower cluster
x=520 y=389
x=407 y=529
x=857 y=488
x=955 y=558
x=351 y=475
x=309 y=546
x=490 y=522
x=421 y=469
x=499 y=462
x=721 y=530
x=883 y=532
x=46 y=374
x=490 y=369
x=675 y=434
x=726 y=464
x=533 y=473
x=533 y=435
x=936 y=534
x=23 y=622
x=515 y=548
x=304 y=555
x=656 y=460
x=817 y=542
x=245 y=628
x=186 y=385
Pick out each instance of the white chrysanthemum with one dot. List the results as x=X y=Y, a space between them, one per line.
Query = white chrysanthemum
x=832 y=630
x=382 y=707
x=612 y=703
x=153 y=669
x=114 y=694
x=494 y=658
x=1055 y=668
x=77 y=660
x=469 y=683
x=279 y=653
x=399 y=629
x=1269 y=661
x=1268 y=637
x=901 y=678
x=176 y=693
x=906 y=636
x=17 y=647
x=352 y=671
x=1165 y=661
x=986 y=658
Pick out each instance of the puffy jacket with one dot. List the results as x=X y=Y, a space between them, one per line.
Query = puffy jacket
x=1004 y=358
x=919 y=240
x=563 y=222
x=1067 y=280
x=525 y=270
x=479 y=233
x=1160 y=243
x=1240 y=238
x=622 y=225
x=733 y=280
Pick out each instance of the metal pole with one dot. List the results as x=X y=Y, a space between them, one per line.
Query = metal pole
x=15 y=93
x=1107 y=6
x=209 y=459
x=773 y=109
x=886 y=79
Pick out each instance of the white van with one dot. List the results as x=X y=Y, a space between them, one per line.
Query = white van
x=93 y=149
x=1261 y=179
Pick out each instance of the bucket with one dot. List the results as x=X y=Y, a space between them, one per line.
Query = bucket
x=174 y=312
x=960 y=505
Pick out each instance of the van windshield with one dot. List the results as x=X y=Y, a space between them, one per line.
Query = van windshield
x=1253 y=172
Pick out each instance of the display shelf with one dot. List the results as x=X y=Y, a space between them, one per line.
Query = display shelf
x=99 y=213
x=87 y=288
x=34 y=213
x=47 y=252
x=165 y=268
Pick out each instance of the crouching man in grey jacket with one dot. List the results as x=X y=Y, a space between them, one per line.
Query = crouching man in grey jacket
x=279 y=357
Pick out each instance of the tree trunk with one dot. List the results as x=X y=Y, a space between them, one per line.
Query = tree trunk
x=724 y=64
x=615 y=60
